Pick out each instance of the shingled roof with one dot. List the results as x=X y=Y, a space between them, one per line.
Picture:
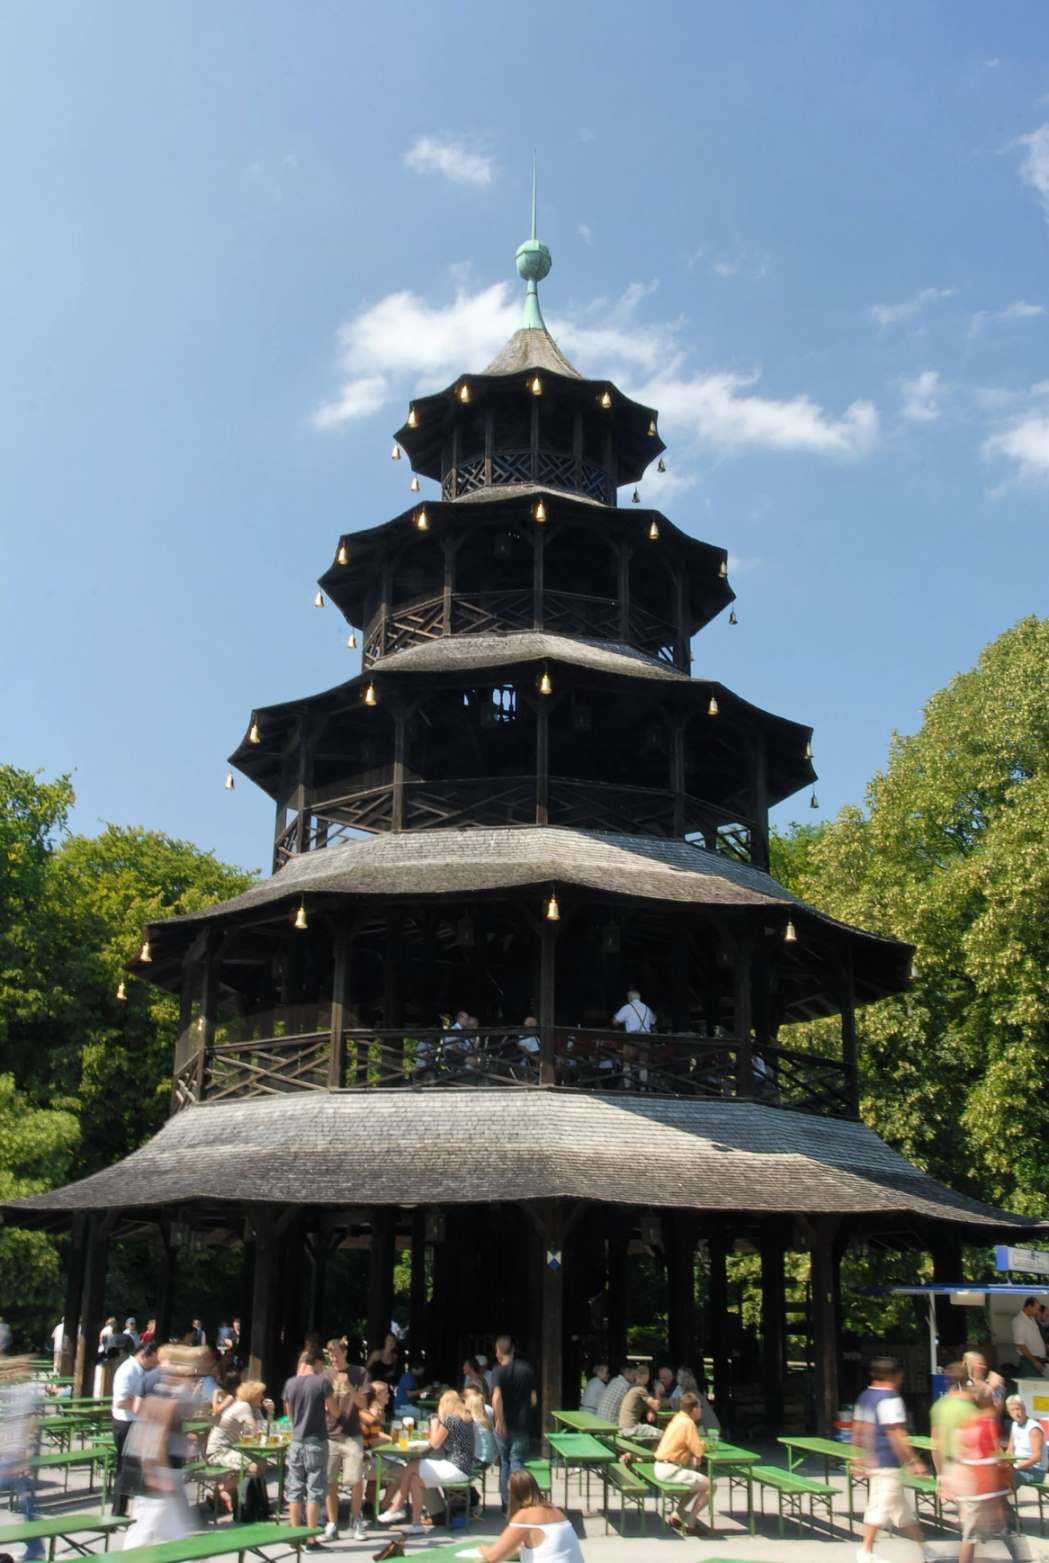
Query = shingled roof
x=532 y=349
x=324 y=1149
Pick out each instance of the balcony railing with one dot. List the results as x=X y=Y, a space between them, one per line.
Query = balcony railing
x=554 y=469
x=557 y=1058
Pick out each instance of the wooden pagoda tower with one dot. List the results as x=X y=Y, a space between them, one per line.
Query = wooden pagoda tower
x=524 y=803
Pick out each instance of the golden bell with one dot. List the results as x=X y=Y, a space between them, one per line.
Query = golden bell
x=713 y=708
x=790 y=933
x=145 y=955
x=229 y=783
x=606 y=400
x=723 y=570
x=395 y=454
x=540 y=512
x=351 y=642
x=732 y=616
x=814 y=802
x=413 y=422
x=635 y=498
x=343 y=555
x=318 y=601
x=652 y=428
x=536 y=386
x=553 y=911
x=300 y=920
x=422 y=521
x=370 y=697
x=254 y=734
x=122 y=992
x=808 y=750
x=653 y=530
x=661 y=465
x=464 y=393
x=545 y=686
x=414 y=485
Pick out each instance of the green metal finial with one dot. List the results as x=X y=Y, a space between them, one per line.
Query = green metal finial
x=533 y=264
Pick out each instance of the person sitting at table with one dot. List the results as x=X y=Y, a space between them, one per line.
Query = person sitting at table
x=612 y=1396
x=452 y=1458
x=637 y=1410
x=678 y=1458
x=663 y=1384
x=486 y=1450
x=527 y=1048
x=687 y=1385
x=977 y=1372
x=373 y=1417
x=540 y=1531
x=406 y=1395
x=595 y=1388
x=243 y=1418
x=225 y=1392
x=1027 y=1445
x=473 y=1376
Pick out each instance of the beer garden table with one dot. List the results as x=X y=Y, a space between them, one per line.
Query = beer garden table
x=583 y=1451
x=584 y=1422
x=395 y=1454
x=275 y=1452
x=729 y=1456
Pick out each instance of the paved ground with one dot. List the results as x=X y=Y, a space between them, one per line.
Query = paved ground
x=660 y=1545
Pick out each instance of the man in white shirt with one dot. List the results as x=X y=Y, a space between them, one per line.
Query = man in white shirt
x=635 y=1015
x=1027 y=1337
x=58 y=1335
x=130 y=1384
x=595 y=1388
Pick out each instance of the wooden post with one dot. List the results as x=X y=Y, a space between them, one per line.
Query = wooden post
x=74 y=1290
x=617 y=1293
x=342 y=944
x=92 y=1303
x=417 y=1332
x=759 y=807
x=849 y=1050
x=166 y=1287
x=380 y=1273
x=489 y=443
x=683 y=649
x=825 y=1321
x=209 y=1000
x=265 y=1293
x=773 y=1328
x=449 y=577
x=538 y=575
x=718 y=1332
x=742 y=1016
x=681 y=1229
x=547 y=998
x=542 y=760
x=551 y=1257
x=623 y=553
x=399 y=741
x=577 y=448
x=535 y=441
x=677 y=773
x=946 y=1251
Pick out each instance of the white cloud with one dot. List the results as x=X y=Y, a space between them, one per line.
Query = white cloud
x=1020 y=309
x=1026 y=443
x=403 y=344
x=585 y=232
x=462 y=164
x=892 y=314
x=1034 y=165
x=919 y=397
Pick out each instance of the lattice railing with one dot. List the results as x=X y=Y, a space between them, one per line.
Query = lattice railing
x=807 y=1082
x=482 y=801
x=552 y=469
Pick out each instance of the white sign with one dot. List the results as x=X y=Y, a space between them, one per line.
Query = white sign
x=1033 y=1260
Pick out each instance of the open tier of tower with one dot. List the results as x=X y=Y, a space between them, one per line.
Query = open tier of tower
x=524 y=803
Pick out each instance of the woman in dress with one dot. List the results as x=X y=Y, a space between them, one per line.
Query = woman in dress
x=451 y=1458
x=244 y=1417
x=542 y=1532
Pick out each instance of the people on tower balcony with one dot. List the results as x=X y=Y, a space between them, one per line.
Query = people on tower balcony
x=635 y=1015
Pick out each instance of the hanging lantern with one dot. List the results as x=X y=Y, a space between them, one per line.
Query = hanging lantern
x=370 y=697
x=652 y=428
x=545 y=686
x=413 y=422
x=713 y=708
x=254 y=735
x=536 y=386
x=732 y=616
x=653 y=530
x=300 y=920
x=539 y=512
x=464 y=392
x=635 y=498
x=145 y=955
x=723 y=569
x=229 y=783
x=553 y=911
x=790 y=933
x=605 y=400
x=343 y=555
x=122 y=991
x=814 y=802
x=661 y=465
x=395 y=454
x=414 y=485
x=422 y=521
x=318 y=601
x=351 y=642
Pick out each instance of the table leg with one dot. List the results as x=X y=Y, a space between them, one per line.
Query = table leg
x=282 y=1463
x=750 y=1502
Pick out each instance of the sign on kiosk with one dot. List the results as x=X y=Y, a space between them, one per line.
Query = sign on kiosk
x=1035 y=1261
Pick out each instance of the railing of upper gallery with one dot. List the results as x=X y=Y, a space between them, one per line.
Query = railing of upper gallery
x=494 y=612
x=513 y=800
x=551 y=469
x=259 y=1057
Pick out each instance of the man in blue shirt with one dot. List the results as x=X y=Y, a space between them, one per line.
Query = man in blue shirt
x=879 y=1430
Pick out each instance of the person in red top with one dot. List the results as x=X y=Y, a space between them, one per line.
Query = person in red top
x=982 y=1481
x=149 y=1333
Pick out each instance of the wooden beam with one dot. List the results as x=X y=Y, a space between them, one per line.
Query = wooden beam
x=538 y=574
x=342 y=945
x=742 y=1014
x=759 y=806
x=93 y=1296
x=681 y=1231
x=380 y=1273
x=718 y=1332
x=826 y=1323
x=417 y=1337
x=542 y=761
x=547 y=1001
x=773 y=1326
x=265 y=1293
x=75 y=1255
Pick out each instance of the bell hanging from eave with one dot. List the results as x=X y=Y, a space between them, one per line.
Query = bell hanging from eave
x=351 y=642
x=229 y=782
x=414 y=485
x=343 y=555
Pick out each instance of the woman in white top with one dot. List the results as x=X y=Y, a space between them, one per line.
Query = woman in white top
x=242 y=1419
x=540 y=1530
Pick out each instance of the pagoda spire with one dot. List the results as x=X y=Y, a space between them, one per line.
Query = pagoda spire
x=533 y=264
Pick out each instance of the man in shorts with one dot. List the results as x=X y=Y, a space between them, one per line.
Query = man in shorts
x=879 y=1432
x=345 y=1439
x=307 y=1398
x=679 y=1459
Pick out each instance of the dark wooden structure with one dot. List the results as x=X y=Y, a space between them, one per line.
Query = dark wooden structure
x=521 y=805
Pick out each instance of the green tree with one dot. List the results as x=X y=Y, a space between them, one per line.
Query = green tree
x=36 y=1149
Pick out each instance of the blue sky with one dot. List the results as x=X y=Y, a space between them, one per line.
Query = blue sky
x=238 y=237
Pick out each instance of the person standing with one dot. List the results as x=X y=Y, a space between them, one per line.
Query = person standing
x=130 y=1384
x=879 y=1432
x=58 y=1335
x=983 y=1481
x=306 y=1399
x=514 y=1400
x=149 y=1333
x=635 y=1015
x=351 y=1389
x=1027 y=1338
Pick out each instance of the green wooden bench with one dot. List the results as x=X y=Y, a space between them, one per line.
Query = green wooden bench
x=925 y=1487
x=792 y=1490
x=634 y=1447
x=65 y=1461
x=1041 y=1492
x=666 y=1492
x=242 y=1540
x=68 y=1528
x=631 y=1488
x=541 y=1473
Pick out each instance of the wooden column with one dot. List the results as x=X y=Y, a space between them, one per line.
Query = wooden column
x=535 y=440
x=542 y=759
x=677 y=772
x=849 y=1050
x=92 y=1301
x=449 y=577
x=577 y=448
x=264 y=1293
x=538 y=549
x=399 y=744
x=417 y=1331
x=826 y=1323
x=74 y=1290
x=209 y=1003
x=683 y=648
x=718 y=1332
x=551 y=1258
x=742 y=1013
x=342 y=945
x=489 y=445
x=773 y=1328
x=759 y=807
x=946 y=1251
x=291 y=1322
x=166 y=1284
x=681 y=1229
x=547 y=998
x=623 y=554
x=380 y=1273
x=617 y=1293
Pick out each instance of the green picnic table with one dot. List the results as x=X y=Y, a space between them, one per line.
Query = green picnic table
x=223 y=1542
x=727 y=1456
x=277 y=1453
x=583 y=1451
x=66 y=1527
x=584 y=1422
x=65 y=1460
x=829 y=1449
x=62 y=1429
x=393 y=1454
